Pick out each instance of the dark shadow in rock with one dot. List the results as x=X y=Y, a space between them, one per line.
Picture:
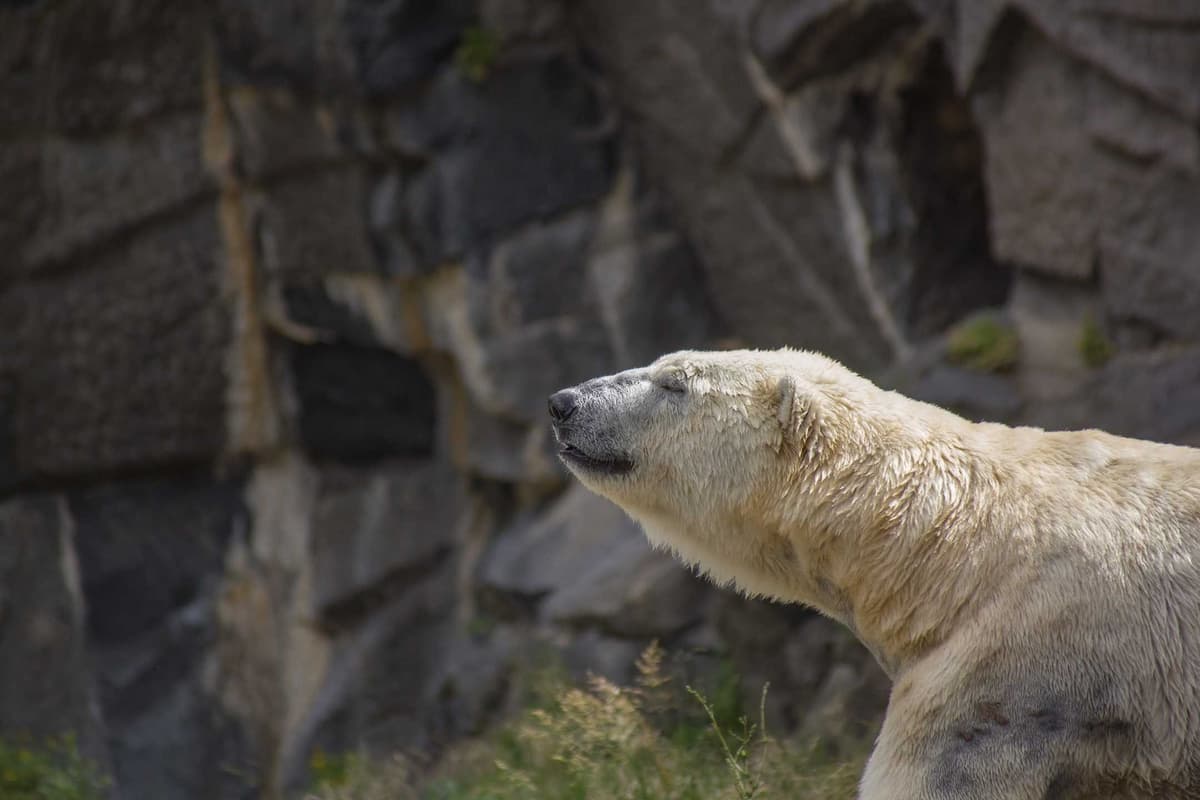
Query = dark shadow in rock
x=362 y=403
x=942 y=161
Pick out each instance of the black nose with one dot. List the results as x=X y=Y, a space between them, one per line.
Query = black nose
x=563 y=405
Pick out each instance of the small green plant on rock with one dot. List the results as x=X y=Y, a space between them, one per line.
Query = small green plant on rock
x=50 y=770
x=983 y=343
x=477 y=52
x=1094 y=347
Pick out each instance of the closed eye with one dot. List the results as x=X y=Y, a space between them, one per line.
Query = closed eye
x=671 y=382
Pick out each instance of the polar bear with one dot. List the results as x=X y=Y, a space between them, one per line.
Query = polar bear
x=1034 y=596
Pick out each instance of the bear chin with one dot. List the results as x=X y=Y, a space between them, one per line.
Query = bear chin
x=575 y=458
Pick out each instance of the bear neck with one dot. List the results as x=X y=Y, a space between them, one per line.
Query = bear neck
x=884 y=534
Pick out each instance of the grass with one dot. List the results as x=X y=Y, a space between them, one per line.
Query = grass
x=983 y=343
x=1094 y=347
x=51 y=770
x=650 y=741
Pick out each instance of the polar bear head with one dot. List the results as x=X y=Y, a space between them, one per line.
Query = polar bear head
x=709 y=451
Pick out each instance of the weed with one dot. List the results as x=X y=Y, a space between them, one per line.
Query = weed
x=1094 y=347
x=477 y=53
x=983 y=343
x=648 y=741
x=50 y=770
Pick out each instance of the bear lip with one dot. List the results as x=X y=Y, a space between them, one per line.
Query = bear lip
x=610 y=466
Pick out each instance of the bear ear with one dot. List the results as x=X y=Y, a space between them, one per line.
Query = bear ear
x=785 y=396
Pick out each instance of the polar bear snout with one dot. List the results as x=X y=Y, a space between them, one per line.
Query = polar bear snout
x=563 y=404
x=583 y=418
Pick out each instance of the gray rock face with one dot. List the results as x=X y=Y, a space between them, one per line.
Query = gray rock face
x=850 y=253
x=46 y=684
x=119 y=366
x=592 y=566
x=376 y=530
x=511 y=150
x=285 y=285
x=151 y=554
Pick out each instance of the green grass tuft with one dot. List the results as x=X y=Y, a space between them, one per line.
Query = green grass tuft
x=50 y=770
x=983 y=343
x=477 y=53
x=1094 y=347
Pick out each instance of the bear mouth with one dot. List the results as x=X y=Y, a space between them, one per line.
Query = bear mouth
x=612 y=465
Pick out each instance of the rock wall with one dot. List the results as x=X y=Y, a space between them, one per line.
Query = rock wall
x=286 y=284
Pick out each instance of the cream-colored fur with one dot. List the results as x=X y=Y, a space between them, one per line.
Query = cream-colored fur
x=1035 y=596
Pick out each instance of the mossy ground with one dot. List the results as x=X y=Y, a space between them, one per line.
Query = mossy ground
x=651 y=741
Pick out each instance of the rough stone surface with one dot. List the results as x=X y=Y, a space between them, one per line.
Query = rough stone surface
x=151 y=554
x=511 y=150
x=400 y=42
x=1150 y=268
x=593 y=568
x=119 y=366
x=156 y=170
x=805 y=40
x=632 y=591
x=376 y=531
x=46 y=685
x=81 y=68
x=538 y=557
x=1106 y=400
x=315 y=225
x=148 y=549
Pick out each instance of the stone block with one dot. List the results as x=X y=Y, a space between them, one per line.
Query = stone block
x=120 y=365
x=510 y=150
x=537 y=274
x=376 y=531
x=1067 y=148
x=315 y=224
x=1150 y=260
x=397 y=43
x=101 y=187
x=82 y=68
x=279 y=131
